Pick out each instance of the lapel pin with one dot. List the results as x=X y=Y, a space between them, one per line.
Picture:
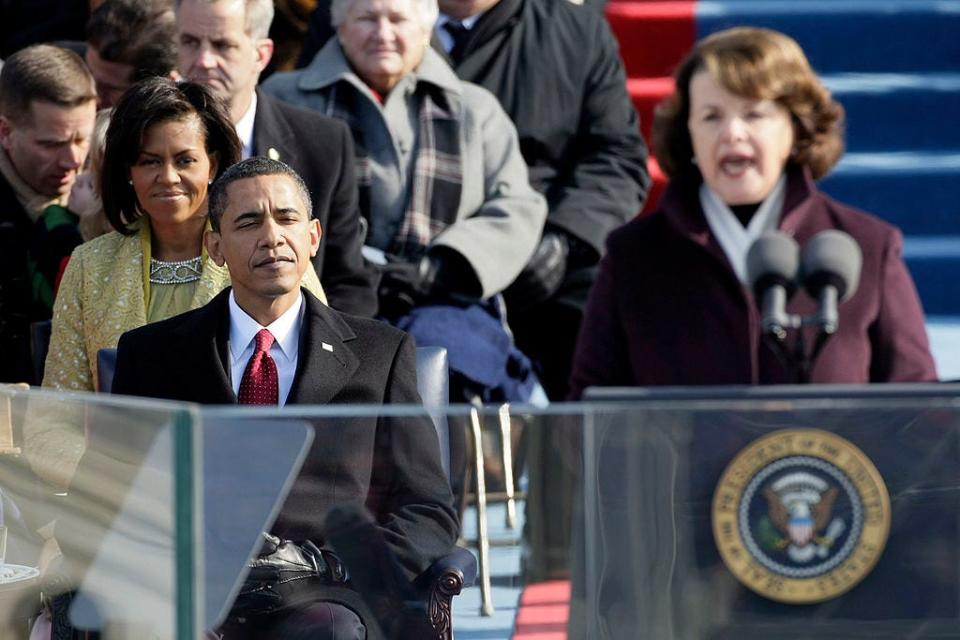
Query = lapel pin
x=273 y=154
x=326 y=347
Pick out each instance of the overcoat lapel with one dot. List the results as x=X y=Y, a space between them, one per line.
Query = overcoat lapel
x=210 y=369
x=326 y=361
x=270 y=132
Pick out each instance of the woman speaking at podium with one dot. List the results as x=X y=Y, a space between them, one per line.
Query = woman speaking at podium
x=746 y=133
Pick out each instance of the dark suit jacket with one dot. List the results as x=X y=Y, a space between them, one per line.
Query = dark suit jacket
x=320 y=149
x=15 y=296
x=393 y=465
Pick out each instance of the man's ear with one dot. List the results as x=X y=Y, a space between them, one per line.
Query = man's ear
x=315 y=234
x=264 y=49
x=211 y=238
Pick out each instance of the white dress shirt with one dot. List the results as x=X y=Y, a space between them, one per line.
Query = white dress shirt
x=244 y=128
x=734 y=238
x=285 y=349
x=445 y=38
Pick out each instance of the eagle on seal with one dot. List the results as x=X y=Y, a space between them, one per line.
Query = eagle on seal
x=800 y=519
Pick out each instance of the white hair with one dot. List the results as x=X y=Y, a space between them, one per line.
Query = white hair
x=427 y=11
x=257 y=16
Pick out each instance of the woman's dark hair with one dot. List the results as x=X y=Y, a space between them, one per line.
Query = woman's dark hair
x=149 y=102
x=760 y=64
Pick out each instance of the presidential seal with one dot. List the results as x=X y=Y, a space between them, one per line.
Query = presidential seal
x=801 y=516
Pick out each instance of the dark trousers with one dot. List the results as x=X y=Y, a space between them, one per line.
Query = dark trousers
x=547 y=334
x=314 y=621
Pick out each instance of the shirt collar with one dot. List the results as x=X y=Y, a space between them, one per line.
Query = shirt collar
x=467 y=23
x=244 y=127
x=285 y=329
x=446 y=39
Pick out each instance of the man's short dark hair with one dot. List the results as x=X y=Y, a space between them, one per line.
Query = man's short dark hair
x=43 y=73
x=140 y=33
x=250 y=168
x=149 y=102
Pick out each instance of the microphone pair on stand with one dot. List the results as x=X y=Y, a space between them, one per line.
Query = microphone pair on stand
x=828 y=268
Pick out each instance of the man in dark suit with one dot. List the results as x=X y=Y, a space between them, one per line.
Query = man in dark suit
x=47 y=109
x=266 y=341
x=224 y=45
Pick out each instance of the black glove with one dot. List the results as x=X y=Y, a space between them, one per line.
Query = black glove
x=403 y=285
x=442 y=274
x=543 y=274
x=281 y=569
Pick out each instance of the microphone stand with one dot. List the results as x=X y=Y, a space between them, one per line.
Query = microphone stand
x=798 y=361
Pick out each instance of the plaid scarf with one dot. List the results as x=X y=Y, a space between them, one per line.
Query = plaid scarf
x=434 y=183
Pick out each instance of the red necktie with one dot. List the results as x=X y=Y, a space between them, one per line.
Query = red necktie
x=259 y=383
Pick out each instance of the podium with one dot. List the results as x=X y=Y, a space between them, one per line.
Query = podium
x=780 y=512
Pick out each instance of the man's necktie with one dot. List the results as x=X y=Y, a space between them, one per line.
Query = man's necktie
x=460 y=35
x=259 y=384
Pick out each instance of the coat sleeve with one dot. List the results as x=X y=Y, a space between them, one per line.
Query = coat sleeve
x=900 y=348
x=414 y=503
x=53 y=432
x=498 y=238
x=605 y=178
x=602 y=356
x=348 y=281
x=68 y=365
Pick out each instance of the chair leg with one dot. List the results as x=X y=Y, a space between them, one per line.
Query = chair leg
x=507 y=449
x=483 y=538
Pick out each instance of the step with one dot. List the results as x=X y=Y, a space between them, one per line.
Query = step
x=934 y=263
x=917 y=191
x=653 y=36
x=646 y=94
x=899 y=111
x=850 y=35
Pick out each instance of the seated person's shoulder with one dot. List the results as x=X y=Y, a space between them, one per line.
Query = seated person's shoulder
x=479 y=104
x=283 y=85
x=477 y=97
x=320 y=125
x=107 y=244
x=567 y=18
x=374 y=332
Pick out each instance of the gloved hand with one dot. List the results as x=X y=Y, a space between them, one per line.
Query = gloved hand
x=403 y=285
x=543 y=274
x=441 y=274
x=281 y=568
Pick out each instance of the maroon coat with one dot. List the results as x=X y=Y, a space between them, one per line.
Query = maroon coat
x=667 y=308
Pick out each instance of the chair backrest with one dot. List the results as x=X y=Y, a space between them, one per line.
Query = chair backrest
x=106 y=364
x=39 y=345
x=432 y=383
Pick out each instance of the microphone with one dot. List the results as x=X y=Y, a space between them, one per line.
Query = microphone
x=830 y=268
x=773 y=261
